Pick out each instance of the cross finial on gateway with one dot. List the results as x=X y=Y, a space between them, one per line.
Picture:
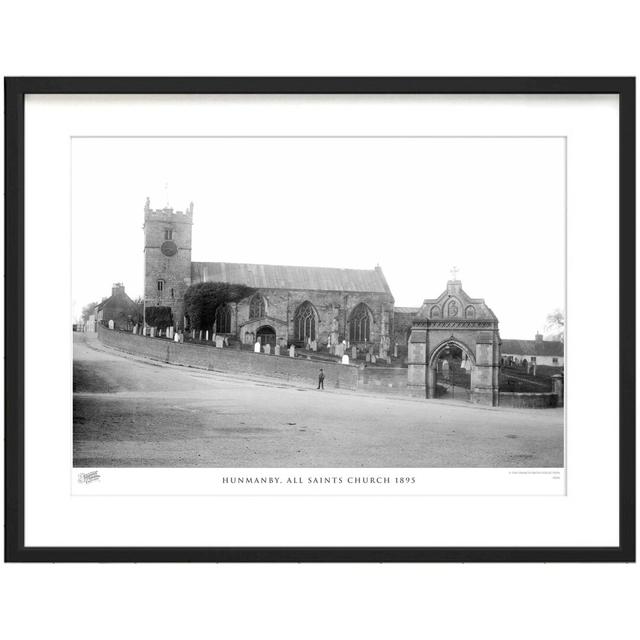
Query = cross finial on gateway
x=454 y=273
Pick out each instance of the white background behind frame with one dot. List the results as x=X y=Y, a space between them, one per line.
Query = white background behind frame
x=586 y=517
x=496 y=37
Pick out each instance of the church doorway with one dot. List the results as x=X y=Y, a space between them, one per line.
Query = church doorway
x=451 y=370
x=266 y=335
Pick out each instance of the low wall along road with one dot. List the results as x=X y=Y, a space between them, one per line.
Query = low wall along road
x=296 y=370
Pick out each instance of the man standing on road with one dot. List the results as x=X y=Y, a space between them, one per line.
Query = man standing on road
x=321 y=380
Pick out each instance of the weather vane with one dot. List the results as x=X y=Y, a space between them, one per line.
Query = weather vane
x=454 y=273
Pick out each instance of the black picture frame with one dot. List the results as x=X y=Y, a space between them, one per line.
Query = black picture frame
x=15 y=91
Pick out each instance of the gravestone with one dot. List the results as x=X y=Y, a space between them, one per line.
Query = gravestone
x=256 y=347
x=220 y=342
x=292 y=351
x=206 y=335
x=373 y=359
x=345 y=359
x=368 y=357
x=354 y=352
x=314 y=345
x=395 y=350
x=277 y=350
x=267 y=349
x=176 y=338
x=193 y=334
x=111 y=324
x=135 y=329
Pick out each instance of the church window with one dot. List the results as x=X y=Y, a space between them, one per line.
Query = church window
x=304 y=322
x=223 y=319
x=168 y=234
x=360 y=324
x=257 y=307
x=160 y=286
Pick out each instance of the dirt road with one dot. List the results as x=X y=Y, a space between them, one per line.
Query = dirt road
x=135 y=413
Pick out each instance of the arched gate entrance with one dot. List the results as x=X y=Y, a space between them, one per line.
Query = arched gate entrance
x=463 y=332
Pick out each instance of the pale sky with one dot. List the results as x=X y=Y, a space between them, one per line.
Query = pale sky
x=493 y=207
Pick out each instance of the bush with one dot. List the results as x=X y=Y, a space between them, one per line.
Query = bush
x=202 y=300
x=159 y=317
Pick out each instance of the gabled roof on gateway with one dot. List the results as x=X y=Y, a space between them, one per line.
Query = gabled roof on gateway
x=271 y=276
x=461 y=300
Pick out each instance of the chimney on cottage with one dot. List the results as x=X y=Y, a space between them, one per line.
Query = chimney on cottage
x=117 y=289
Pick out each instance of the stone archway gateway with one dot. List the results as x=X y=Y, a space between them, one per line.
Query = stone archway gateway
x=455 y=320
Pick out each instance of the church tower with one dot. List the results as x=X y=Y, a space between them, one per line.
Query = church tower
x=167 y=258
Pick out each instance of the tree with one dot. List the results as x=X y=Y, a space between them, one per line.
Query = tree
x=89 y=310
x=201 y=301
x=555 y=324
x=159 y=317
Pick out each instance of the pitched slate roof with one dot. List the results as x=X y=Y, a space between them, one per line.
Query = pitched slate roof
x=532 y=348
x=410 y=310
x=271 y=276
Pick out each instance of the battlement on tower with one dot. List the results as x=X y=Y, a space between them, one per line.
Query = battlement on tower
x=168 y=214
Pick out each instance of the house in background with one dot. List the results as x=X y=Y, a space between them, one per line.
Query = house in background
x=120 y=308
x=539 y=351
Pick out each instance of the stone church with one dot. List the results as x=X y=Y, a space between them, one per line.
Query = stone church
x=291 y=305
x=319 y=307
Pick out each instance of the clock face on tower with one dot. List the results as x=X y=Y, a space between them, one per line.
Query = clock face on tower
x=169 y=248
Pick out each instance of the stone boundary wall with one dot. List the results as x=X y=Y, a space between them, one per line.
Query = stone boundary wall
x=295 y=370
x=528 y=400
x=383 y=380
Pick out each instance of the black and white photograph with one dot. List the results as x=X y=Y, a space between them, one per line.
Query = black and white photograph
x=359 y=316
x=320 y=320
x=318 y=301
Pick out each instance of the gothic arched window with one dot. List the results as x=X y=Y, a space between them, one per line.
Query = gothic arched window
x=256 y=307
x=223 y=319
x=435 y=312
x=470 y=313
x=360 y=324
x=304 y=322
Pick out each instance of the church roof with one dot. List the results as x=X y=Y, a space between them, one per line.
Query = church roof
x=532 y=348
x=271 y=276
x=409 y=310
